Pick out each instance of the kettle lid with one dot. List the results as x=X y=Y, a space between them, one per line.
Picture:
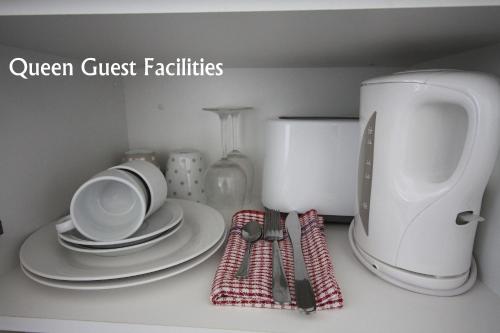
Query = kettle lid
x=473 y=83
x=411 y=76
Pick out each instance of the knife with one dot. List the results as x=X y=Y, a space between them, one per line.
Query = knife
x=304 y=292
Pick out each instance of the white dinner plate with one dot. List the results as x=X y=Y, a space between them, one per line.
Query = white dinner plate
x=201 y=229
x=129 y=281
x=165 y=218
x=123 y=250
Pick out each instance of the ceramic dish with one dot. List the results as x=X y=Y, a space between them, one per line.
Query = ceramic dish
x=166 y=218
x=120 y=251
x=202 y=227
x=152 y=177
x=130 y=281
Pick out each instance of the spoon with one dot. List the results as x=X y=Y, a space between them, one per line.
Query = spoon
x=251 y=232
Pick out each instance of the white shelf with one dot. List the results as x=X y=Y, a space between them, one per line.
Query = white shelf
x=181 y=304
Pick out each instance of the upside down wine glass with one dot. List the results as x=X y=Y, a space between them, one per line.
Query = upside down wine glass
x=236 y=155
x=225 y=180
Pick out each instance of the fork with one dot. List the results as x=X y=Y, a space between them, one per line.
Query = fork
x=274 y=233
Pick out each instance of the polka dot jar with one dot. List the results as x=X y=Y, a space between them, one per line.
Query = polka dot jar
x=184 y=173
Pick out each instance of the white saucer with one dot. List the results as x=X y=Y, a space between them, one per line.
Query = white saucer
x=201 y=229
x=165 y=218
x=129 y=281
x=123 y=250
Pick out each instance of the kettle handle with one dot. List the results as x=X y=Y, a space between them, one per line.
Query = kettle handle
x=472 y=110
x=423 y=185
x=482 y=141
x=480 y=145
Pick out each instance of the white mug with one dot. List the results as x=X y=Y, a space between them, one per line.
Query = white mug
x=153 y=180
x=185 y=170
x=109 y=206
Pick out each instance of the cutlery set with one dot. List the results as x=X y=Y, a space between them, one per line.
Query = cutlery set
x=273 y=232
x=292 y=269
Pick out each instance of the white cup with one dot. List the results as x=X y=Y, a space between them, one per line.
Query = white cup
x=185 y=170
x=153 y=180
x=110 y=206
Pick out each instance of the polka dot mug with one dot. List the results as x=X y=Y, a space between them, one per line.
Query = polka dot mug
x=184 y=174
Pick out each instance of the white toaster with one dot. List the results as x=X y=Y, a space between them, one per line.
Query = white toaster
x=311 y=163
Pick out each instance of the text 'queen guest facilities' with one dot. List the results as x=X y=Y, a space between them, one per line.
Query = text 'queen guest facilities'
x=91 y=67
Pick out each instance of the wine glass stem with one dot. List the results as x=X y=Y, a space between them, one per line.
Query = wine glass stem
x=236 y=122
x=224 y=118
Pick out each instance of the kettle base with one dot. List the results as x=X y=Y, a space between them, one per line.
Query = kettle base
x=416 y=282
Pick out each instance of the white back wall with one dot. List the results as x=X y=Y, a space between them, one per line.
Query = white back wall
x=487 y=246
x=165 y=114
x=54 y=133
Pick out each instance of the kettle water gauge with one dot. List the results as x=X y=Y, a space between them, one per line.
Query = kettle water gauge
x=365 y=171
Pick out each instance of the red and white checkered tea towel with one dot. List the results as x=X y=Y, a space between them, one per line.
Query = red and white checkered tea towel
x=256 y=289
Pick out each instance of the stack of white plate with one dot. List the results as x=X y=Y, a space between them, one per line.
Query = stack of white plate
x=180 y=235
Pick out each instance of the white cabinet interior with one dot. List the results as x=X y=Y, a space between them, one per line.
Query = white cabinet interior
x=56 y=132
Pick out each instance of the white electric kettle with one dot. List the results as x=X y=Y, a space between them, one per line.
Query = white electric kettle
x=429 y=141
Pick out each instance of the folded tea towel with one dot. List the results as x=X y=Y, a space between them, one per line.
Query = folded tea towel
x=256 y=289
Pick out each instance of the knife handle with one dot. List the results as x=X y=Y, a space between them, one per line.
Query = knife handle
x=304 y=293
x=305 y=297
